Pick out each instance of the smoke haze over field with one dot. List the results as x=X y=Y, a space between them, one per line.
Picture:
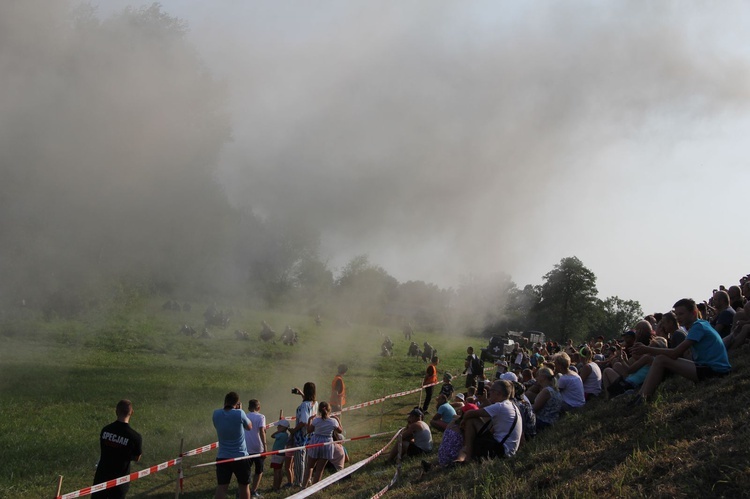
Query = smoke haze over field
x=440 y=138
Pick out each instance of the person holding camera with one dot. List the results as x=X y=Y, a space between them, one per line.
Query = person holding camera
x=305 y=412
x=231 y=423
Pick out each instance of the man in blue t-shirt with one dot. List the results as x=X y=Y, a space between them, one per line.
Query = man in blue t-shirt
x=231 y=423
x=709 y=354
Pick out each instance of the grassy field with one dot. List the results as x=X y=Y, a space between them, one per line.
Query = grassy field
x=59 y=382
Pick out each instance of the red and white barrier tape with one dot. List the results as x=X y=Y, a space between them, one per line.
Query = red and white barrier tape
x=119 y=481
x=200 y=450
x=385 y=489
x=306 y=492
x=292 y=449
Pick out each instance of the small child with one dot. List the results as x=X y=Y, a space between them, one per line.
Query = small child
x=279 y=463
x=447 y=388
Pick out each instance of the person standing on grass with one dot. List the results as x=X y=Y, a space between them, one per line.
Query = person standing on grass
x=430 y=378
x=322 y=429
x=338 y=389
x=709 y=353
x=119 y=445
x=278 y=461
x=231 y=423
x=305 y=412
x=255 y=440
x=472 y=367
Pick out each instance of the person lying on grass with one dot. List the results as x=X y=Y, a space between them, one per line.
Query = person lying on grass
x=709 y=353
x=496 y=429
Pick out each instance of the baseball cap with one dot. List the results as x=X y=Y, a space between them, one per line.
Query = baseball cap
x=460 y=396
x=283 y=423
x=509 y=377
x=416 y=412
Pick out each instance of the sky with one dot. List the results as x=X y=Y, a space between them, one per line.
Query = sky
x=445 y=139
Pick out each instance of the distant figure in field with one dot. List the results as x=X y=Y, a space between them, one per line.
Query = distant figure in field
x=119 y=445
x=408 y=331
x=338 y=389
x=386 y=349
x=231 y=423
x=318 y=320
x=428 y=352
x=414 y=350
x=289 y=336
x=266 y=333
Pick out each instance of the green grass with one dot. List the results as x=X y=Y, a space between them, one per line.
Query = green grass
x=59 y=382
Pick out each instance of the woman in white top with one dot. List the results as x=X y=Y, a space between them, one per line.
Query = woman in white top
x=590 y=374
x=569 y=383
x=322 y=429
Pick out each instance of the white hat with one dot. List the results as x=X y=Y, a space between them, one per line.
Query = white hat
x=283 y=423
x=460 y=396
x=509 y=377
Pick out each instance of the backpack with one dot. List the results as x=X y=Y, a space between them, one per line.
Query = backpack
x=477 y=365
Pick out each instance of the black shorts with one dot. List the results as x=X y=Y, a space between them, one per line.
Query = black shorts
x=413 y=450
x=485 y=445
x=705 y=372
x=258 y=463
x=240 y=469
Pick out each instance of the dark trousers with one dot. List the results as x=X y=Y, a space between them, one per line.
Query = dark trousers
x=427 y=398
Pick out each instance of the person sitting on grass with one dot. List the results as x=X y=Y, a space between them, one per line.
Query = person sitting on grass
x=740 y=329
x=548 y=402
x=499 y=436
x=416 y=437
x=709 y=353
x=527 y=412
x=590 y=374
x=444 y=414
x=630 y=374
x=569 y=383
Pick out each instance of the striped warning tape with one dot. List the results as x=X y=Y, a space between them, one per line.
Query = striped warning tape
x=308 y=491
x=206 y=448
x=119 y=481
x=292 y=449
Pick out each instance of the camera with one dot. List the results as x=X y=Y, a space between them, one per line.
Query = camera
x=296 y=391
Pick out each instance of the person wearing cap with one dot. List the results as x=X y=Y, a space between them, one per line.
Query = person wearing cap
x=338 y=389
x=502 y=367
x=281 y=439
x=447 y=388
x=416 y=437
x=444 y=414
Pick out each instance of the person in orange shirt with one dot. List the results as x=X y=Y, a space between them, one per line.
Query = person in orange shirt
x=338 y=389
x=430 y=377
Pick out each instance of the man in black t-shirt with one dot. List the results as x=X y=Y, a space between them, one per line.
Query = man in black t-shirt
x=119 y=445
x=472 y=367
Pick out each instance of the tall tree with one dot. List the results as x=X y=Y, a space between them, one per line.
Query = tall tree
x=616 y=315
x=567 y=301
